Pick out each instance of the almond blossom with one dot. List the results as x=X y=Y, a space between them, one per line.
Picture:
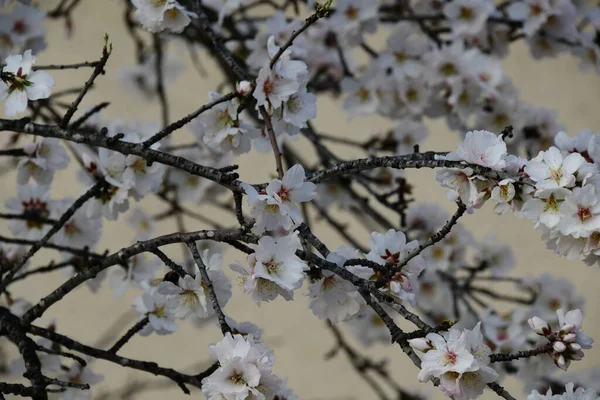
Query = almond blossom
x=549 y=170
x=19 y=84
x=482 y=148
x=44 y=157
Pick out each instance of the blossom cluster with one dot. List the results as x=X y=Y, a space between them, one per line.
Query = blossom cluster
x=441 y=59
x=244 y=371
x=557 y=189
x=459 y=359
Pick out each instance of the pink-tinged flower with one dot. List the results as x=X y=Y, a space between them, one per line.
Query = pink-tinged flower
x=21 y=84
x=550 y=170
x=275 y=85
x=276 y=261
x=482 y=148
x=544 y=207
x=581 y=212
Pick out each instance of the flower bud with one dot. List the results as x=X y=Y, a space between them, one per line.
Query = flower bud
x=539 y=326
x=244 y=88
x=420 y=344
x=30 y=148
x=575 y=347
x=568 y=328
x=559 y=346
x=569 y=338
x=561 y=363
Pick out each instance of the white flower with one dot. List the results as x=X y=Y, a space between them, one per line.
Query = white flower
x=275 y=86
x=544 y=207
x=362 y=96
x=332 y=297
x=224 y=7
x=468 y=17
x=266 y=212
x=244 y=370
x=187 y=298
x=497 y=257
x=581 y=212
x=392 y=248
x=405 y=48
x=79 y=374
x=407 y=134
x=299 y=108
x=570 y=340
x=158 y=15
x=259 y=288
x=139 y=269
x=503 y=193
x=30 y=201
x=79 y=231
x=572 y=394
x=43 y=158
x=449 y=356
x=142 y=224
x=353 y=18
x=222 y=130
x=21 y=84
x=276 y=261
x=191 y=296
x=155 y=306
x=549 y=170
x=472 y=383
x=293 y=188
x=369 y=328
x=461 y=184
x=481 y=148
x=533 y=12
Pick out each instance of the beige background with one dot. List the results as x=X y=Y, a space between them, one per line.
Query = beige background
x=299 y=339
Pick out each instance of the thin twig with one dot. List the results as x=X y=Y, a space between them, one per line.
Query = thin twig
x=225 y=328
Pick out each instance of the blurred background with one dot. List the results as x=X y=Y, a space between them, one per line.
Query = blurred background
x=299 y=339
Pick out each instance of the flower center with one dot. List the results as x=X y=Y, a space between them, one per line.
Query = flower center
x=272 y=266
x=390 y=257
x=352 y=12
x=237 y=378
x=584 y=214
x=450 y=358
x=466 y=13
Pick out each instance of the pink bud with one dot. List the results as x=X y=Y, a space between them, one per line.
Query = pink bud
x=30 y=148
x=569 y=338
x=539 y=326
x=559 y=346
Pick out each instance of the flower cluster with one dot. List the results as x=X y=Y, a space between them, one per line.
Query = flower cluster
x=244 y=371
x=274 y=269
x=275 y=207
x=557 y=189
x=569 y=341
x=459 y=359
x=570 y=393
